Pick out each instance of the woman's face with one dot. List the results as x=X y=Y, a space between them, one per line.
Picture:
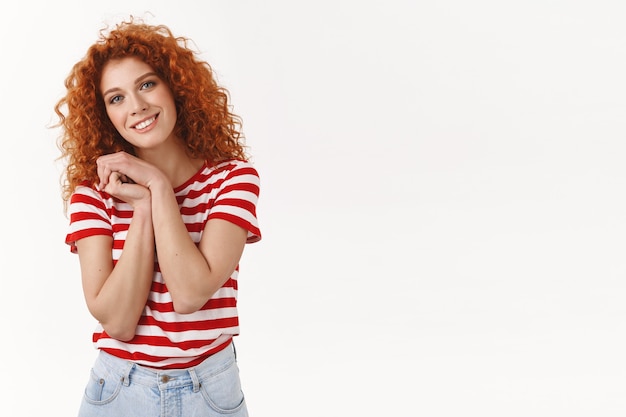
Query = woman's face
x=140 y=105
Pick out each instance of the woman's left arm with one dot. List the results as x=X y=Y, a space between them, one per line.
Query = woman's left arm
x=192 y=273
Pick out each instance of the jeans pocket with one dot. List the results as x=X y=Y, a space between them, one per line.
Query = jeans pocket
x=102 y=389
x=222 y=391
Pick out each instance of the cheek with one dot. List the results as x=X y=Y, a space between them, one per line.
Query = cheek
x=116 y=118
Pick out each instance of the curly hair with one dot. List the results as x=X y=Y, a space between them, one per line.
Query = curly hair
x=204 y=123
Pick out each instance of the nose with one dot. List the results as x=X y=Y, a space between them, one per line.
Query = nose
x=139 y=105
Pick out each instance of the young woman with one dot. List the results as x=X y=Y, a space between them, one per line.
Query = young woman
x=161 y=200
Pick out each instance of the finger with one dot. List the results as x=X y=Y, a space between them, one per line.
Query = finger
x=105 y=177
x=103 y=173
x=105 y=165
x=113 y=183
x=125 y=179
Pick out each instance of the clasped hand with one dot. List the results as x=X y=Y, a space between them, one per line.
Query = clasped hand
x=126 y=177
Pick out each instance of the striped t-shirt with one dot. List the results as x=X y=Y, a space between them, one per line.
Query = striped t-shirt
x=164 y=338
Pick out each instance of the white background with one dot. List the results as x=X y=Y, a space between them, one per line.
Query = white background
x=443 y=204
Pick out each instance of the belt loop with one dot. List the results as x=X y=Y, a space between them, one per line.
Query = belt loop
x=194 y=378
x=126 y=376
x=232 y=342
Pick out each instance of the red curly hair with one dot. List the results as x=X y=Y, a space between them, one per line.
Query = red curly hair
x=205 y=122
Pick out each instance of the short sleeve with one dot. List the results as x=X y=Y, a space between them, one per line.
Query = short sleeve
x=88 y=216
x=237 y=199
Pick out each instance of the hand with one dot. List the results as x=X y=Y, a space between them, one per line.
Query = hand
x=120 y=186
x=130 y=169
x=127 y=177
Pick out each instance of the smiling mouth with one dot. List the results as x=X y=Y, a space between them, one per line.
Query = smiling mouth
x=145 y=123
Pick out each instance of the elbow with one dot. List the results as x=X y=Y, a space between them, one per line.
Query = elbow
x=187 y=306
x=125 y=337
x=190 y=303
x=121 y=333
x=189 y=300
x=121 y=330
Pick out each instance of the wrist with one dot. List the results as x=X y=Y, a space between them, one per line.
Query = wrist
x=143 y=207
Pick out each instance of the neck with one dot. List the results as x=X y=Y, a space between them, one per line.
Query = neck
x=173 y=161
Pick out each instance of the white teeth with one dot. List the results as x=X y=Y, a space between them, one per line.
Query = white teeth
x=145 y=124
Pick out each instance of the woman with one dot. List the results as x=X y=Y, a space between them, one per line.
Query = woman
x=162 y=201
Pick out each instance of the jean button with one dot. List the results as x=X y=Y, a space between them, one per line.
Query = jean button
x=165 y=378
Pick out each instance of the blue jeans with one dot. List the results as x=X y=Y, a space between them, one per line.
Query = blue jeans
x=118 y=388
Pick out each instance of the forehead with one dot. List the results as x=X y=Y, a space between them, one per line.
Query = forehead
x=122 y=72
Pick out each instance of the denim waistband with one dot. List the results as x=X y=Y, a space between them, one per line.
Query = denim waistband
x=132 y=373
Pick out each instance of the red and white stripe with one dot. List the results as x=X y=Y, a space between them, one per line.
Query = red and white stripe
x=165 y=339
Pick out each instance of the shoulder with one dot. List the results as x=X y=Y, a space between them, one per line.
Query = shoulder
x=86 y=194
x=234 y=170
x=232 y=165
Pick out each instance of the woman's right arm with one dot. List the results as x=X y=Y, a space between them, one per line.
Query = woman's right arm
x=116 y=296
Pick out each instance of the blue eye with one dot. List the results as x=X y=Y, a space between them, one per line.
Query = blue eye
x=147 y=84
x=115 y=99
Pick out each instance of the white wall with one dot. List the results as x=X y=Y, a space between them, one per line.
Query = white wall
x=443 y=204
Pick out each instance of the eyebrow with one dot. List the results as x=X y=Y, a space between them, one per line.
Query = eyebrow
x=137 y=81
